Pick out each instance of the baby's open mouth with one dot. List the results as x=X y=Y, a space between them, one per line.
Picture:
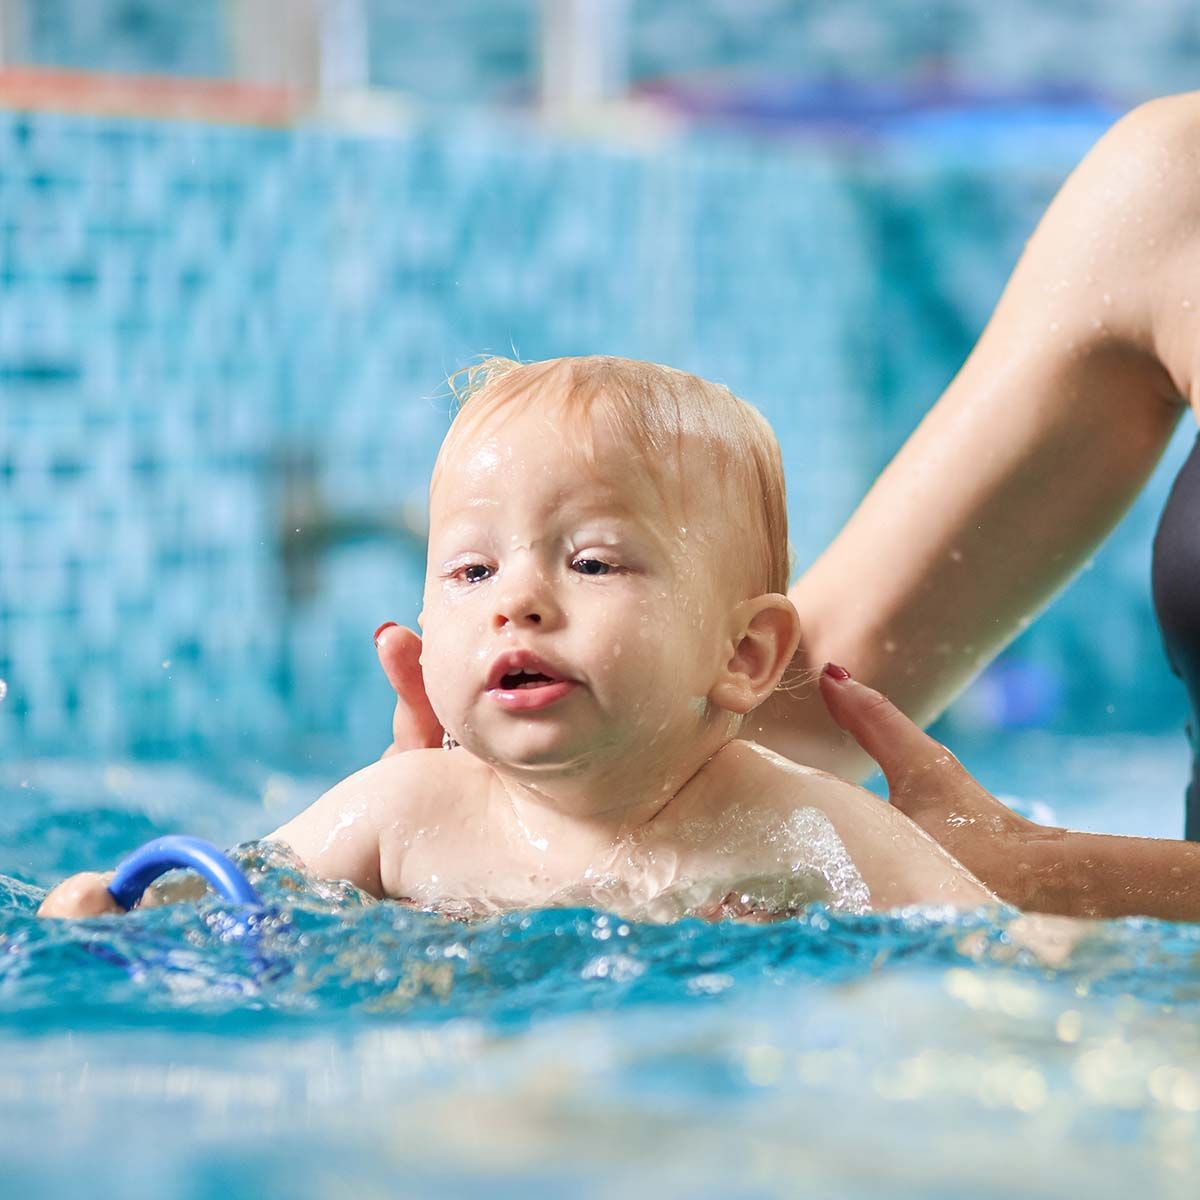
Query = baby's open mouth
x=525 y=679
x=521 y=682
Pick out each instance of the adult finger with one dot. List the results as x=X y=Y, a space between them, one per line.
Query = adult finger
x=931 y=787
x=414 y=725
x=902 y=748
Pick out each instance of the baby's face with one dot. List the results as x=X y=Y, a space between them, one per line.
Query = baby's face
x=572 y=620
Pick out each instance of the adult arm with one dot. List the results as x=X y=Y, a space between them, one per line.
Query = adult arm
x=1036 y=449
x=1034 y=867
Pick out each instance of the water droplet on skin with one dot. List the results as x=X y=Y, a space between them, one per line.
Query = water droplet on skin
x=956 y=556
x=1054 y=326
x=1107 y=298
x=1187 y=304
x=890 y=646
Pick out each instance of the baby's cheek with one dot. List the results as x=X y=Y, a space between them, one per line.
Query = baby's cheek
x=645 y=670
x=619 y=648
x=439 y=672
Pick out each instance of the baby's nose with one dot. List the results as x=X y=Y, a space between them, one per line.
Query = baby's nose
x=518 y=614
x=528 y=601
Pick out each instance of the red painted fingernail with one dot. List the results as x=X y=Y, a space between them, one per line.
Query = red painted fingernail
x=836 y=672
x=385 y=625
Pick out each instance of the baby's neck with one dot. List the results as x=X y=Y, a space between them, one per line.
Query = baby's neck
x=548 y=810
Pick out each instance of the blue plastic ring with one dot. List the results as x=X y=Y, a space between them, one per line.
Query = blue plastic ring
x=135 y=873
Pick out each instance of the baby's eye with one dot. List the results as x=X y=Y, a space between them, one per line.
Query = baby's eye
x=593 y=566
x=473 y=572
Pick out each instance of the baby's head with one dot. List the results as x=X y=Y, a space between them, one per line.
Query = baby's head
x=607 y=562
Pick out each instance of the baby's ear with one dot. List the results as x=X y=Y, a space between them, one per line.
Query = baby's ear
x=766 y=632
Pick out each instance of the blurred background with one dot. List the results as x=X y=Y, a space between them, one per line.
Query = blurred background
x=243 y=243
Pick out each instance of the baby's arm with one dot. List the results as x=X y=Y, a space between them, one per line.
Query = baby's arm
x=337 y=837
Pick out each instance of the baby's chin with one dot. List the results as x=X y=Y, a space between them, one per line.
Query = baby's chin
x=546 y=763
x=548 y=755
x=611 y=767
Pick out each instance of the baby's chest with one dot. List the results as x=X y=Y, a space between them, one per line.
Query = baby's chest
x=773 y=860
x=460 y=872
x=463 y=865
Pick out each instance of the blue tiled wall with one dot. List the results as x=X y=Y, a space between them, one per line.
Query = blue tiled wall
x=1080 y=44
x=455 y=53
x=485 y=50
x=210 y=337
x=185 y=37
x=200 y=325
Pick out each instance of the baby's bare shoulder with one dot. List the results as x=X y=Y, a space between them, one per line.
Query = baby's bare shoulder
x=416 y=780
x=353 y=831
x=394 y=789
x=763 y=832
x=400 y=776
x=738 y=792
x=747 y=773
x=766 y=789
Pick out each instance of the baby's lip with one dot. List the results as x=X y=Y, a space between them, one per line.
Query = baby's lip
x=512 y=661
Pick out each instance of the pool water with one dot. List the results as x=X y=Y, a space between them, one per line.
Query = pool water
x=351 y=1046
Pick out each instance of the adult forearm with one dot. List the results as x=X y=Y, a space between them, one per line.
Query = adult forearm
x=1039 y=444
x=1078 y=874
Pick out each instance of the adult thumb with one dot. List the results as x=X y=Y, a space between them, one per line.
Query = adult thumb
x=399 y=651
x=900 y=747
x=414 y=723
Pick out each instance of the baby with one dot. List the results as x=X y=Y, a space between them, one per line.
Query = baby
x=604 y=605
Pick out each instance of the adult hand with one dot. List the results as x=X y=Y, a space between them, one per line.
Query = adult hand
x=1036 y=867
x=929 y=785
x=414 y=726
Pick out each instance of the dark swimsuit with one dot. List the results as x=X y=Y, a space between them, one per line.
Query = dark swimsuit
x=1175 y=579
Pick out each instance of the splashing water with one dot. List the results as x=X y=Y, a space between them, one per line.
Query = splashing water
x=921 y=1048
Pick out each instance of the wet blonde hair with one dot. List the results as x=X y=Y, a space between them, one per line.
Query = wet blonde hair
x=655 y=409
